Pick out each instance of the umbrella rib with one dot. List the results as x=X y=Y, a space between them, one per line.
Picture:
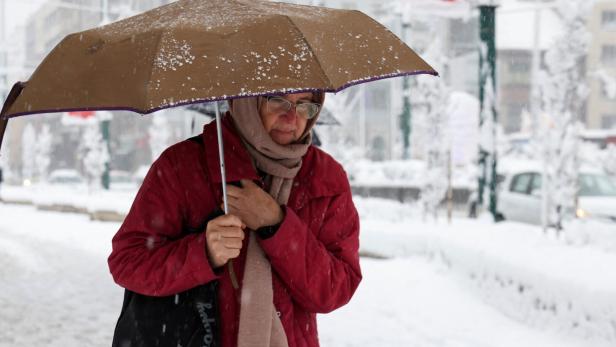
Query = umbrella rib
x=316 y=57
x=147 y=103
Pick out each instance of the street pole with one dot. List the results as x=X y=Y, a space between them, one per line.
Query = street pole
x=106 y=179
x=405 y=117
x=487 y=100
x=106 y=121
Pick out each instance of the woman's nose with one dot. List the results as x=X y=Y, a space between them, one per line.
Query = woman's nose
x=291 y=115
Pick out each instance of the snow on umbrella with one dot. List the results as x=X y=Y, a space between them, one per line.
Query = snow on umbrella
x=202 y=50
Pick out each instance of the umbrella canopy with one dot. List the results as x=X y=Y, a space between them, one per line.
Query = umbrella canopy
x=193 y=51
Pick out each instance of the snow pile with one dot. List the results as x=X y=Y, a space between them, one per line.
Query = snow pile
x=71 y=198
x=405 y=173
x=401 y=173
x=118 y=202
x=16 y=194
x=59 y=197
x=591 y=233
x=529 y=276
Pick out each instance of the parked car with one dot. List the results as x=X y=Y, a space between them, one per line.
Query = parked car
x=520 y=199
x=66 y=177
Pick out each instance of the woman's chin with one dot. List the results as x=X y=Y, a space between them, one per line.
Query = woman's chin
x=282 y=138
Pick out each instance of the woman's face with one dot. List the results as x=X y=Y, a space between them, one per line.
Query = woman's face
x=285 y=127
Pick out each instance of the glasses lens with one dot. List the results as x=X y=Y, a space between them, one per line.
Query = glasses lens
x=308 y=110
x=278 y=104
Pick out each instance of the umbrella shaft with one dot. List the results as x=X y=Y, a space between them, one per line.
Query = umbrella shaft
x=223 y=176
x=221 y=156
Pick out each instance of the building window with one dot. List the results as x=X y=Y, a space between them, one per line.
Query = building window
x=608 y=121
x=608 y=20
x=513 y=117
x=608 y=55
x=608 y=89
x=519 y=66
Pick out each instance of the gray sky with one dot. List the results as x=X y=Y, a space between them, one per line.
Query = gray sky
x=17 y=11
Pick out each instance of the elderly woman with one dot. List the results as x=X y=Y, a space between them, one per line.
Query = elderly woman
x=292 y=234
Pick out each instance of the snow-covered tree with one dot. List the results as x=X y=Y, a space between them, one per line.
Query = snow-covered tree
x=160 y=133
x=563 y=92
x=608 y=159
x=5 y=164
x=42 y=154
x=608 y=83
x=344 y=107
x=95 y=153
x=430 y=98
x=28 y=149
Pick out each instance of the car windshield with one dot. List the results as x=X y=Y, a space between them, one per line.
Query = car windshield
x=597 y=185
x=65 y=179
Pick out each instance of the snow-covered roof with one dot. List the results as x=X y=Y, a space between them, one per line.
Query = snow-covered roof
x=515 y=26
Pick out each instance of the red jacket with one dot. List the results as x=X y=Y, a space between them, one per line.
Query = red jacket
x=314 y=253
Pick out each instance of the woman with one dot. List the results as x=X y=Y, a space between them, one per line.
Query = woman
x=292 y=230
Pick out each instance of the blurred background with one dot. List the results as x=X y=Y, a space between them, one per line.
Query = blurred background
x=517 y=138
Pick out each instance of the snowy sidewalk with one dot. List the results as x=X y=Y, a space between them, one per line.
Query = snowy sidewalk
x=57 y=292
x=524 y=274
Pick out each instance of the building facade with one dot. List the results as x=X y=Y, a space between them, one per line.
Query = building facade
x=601 y=64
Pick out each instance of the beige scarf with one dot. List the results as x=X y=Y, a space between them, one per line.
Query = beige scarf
x=260 y=326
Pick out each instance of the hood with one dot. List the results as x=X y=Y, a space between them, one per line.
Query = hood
x=599 y=206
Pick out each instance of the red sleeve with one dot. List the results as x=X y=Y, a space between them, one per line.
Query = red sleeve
x=151 y=255
x=321 y=272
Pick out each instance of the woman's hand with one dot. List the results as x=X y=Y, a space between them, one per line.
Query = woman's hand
x=223 y=236
x=253 y=205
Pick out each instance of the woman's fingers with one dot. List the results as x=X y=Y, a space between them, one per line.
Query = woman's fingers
x=231 y=232
x=227 y=220
x=232 y=243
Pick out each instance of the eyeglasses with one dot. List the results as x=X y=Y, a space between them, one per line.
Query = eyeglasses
x=305 y=109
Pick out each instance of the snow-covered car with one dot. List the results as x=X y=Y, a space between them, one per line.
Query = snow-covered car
x=520 y=199
x=66 y=177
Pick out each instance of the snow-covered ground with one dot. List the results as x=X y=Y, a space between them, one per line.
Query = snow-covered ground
x=467 y=284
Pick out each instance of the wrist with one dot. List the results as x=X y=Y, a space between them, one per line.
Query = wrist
x=269 y=230
x=277 y=217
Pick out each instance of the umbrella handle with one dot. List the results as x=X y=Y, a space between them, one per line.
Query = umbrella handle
x=223 y=178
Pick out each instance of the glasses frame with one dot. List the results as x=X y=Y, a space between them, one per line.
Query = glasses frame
x=288 y=105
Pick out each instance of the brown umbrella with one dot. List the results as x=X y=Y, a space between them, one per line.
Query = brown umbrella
x=199 y=50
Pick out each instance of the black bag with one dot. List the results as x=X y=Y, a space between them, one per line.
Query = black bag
x=187 y=319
